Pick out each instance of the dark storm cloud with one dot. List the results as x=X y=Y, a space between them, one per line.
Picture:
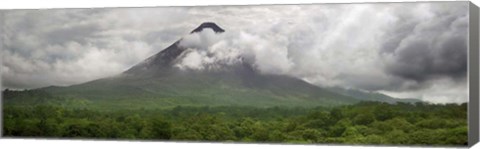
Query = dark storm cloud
x=428 y=49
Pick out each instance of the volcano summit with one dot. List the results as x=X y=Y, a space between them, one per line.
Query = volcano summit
x=157 y=81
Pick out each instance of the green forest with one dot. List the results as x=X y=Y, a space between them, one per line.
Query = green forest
x=361 y=123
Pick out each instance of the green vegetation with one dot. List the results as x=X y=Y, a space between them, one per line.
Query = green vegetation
x=202 y=89
x=37 y=114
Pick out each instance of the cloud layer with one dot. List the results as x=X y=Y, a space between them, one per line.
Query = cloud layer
x=414 y=50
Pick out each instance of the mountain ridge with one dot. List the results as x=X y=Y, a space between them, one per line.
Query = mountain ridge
x=157 y=80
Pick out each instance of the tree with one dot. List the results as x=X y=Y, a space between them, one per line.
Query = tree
x=161 y=129
x=383 y=112
x=338 y=129
x=364 y=119
x=397 y=137
x=277 y=136
x=336 y=114
x=457 y=135
x=401 y=124
x=351 y=132
x=311 y=135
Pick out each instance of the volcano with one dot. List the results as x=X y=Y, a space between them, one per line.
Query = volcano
x=162 y=62
x=156 y=81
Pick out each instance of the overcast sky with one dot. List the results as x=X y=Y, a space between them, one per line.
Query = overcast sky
x=410 y=50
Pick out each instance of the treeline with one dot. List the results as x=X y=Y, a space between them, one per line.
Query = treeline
x=362 y=123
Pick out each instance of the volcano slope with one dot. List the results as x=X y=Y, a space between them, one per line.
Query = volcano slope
x=157 y=82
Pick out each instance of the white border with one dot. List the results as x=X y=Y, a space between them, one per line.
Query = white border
x=34 y=4
x=51 y=144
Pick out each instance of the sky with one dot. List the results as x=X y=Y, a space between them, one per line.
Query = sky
x=405 y=50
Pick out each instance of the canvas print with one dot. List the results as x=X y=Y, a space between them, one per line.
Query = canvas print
x=366 y=73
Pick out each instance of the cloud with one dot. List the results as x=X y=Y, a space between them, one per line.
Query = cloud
x=63 y=49
x=94 y=63
x=442 y=90
x=401 y=49
x=431 y=48
x=208 y=49
x=368 y=47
